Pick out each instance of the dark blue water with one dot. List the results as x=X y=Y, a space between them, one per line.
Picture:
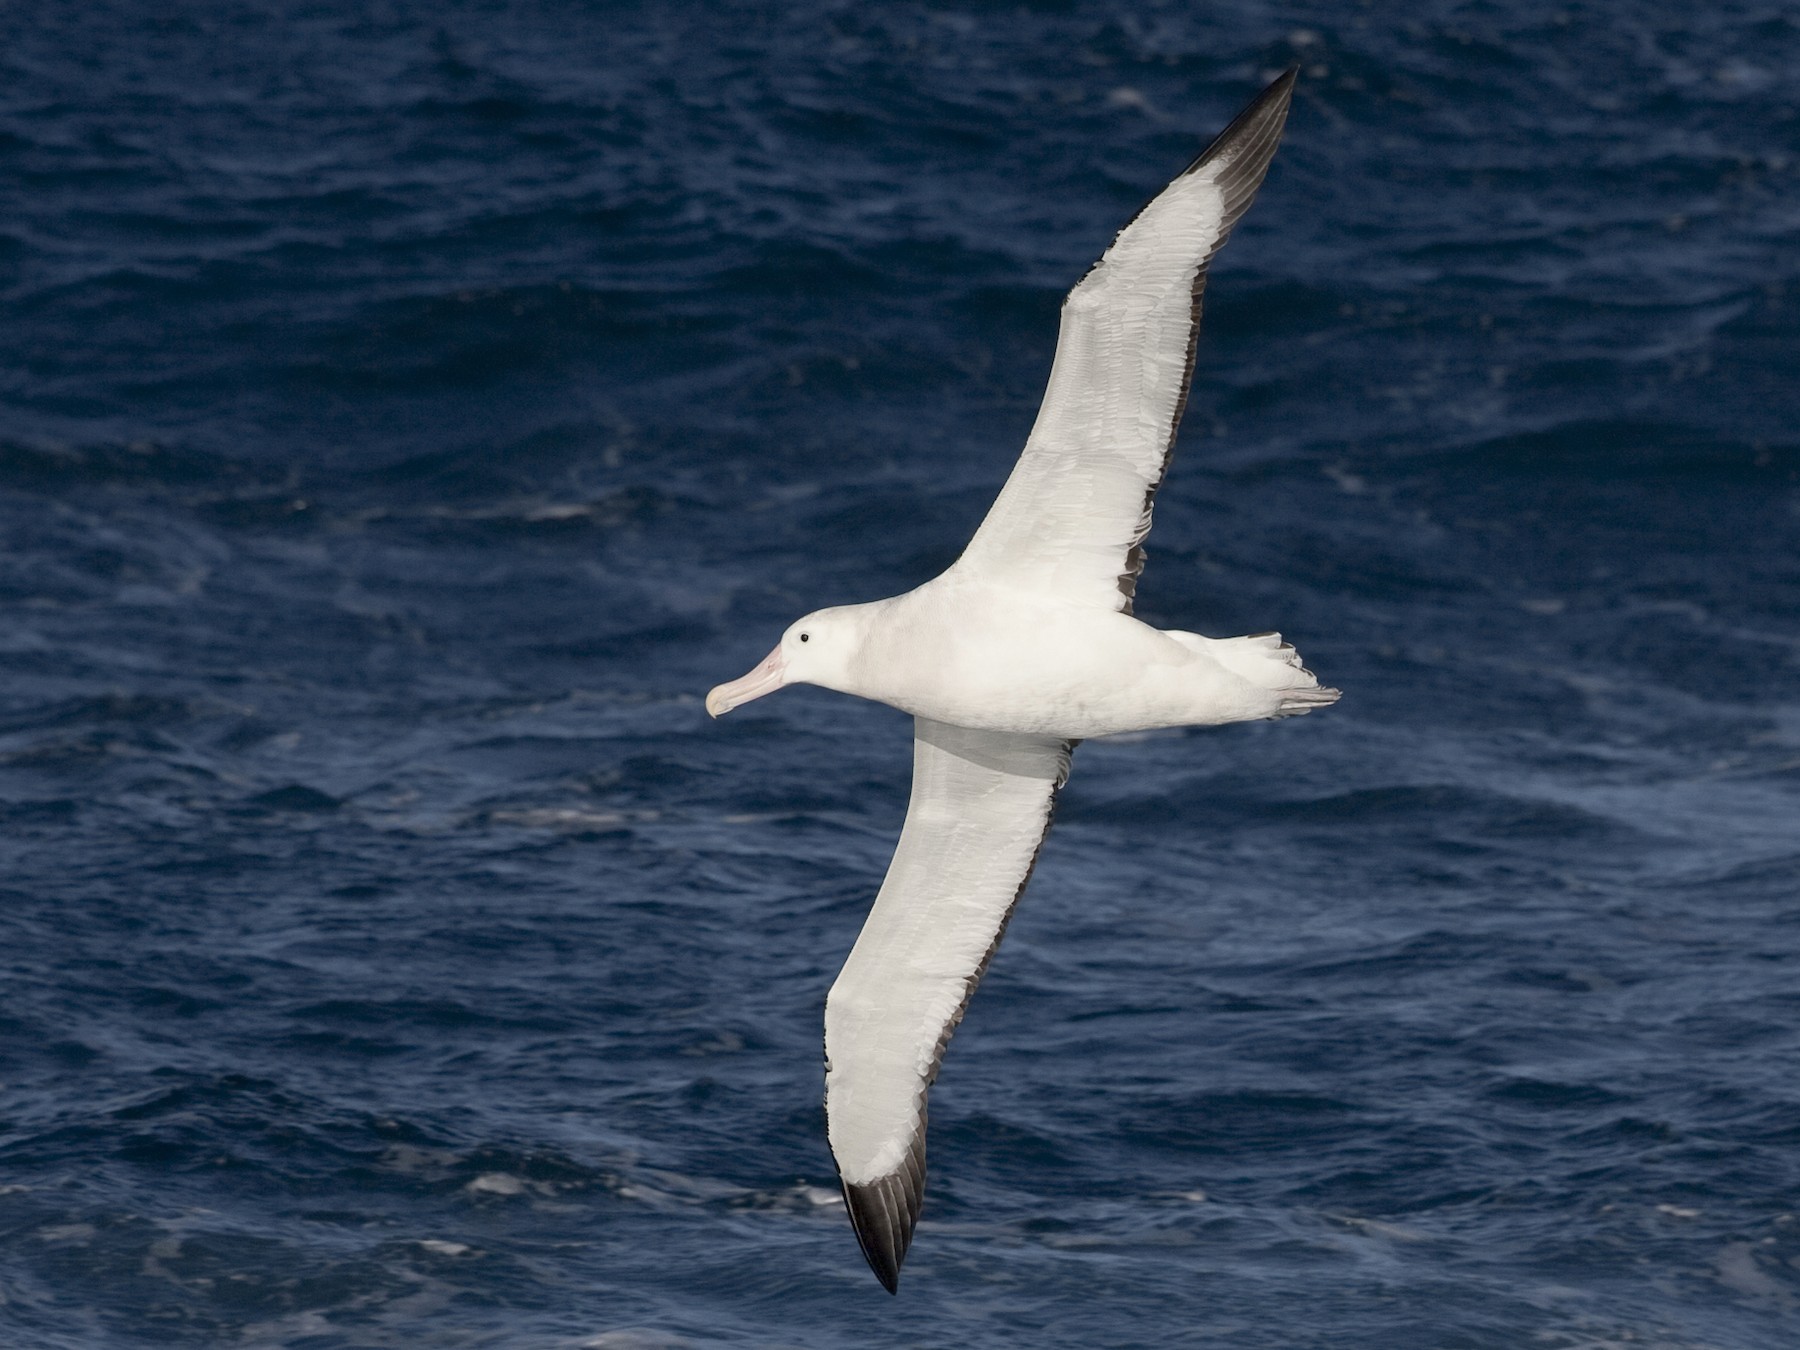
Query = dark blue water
x=408 y=411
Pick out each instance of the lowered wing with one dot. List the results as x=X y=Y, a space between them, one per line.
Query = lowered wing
x=980 y=809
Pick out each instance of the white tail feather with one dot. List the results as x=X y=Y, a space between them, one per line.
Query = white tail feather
x=1264 y=660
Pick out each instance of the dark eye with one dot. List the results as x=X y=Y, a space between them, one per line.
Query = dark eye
x=806 y=637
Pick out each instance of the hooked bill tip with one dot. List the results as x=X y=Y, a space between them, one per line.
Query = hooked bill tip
x=765 y=678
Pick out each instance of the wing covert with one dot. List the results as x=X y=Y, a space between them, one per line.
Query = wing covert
x=980 y=809
x=1073 y=515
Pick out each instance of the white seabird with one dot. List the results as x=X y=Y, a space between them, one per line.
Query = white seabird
x=1021 y=649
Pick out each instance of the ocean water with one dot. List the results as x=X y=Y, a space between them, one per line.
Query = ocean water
x=407 y=411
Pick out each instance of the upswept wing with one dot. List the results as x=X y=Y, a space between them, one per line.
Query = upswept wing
x=1072 y=518
x=980 y=809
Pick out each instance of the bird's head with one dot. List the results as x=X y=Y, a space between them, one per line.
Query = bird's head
x=817 y=649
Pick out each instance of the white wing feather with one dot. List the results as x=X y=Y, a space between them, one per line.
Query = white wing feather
x=980 y=808
x=1072 y=517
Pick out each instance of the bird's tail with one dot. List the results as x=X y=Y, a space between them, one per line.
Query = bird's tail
x=1264 y=660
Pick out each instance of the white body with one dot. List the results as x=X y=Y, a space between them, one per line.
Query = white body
x=991 y=657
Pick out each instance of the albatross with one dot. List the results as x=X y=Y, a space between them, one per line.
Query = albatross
x=1023 y=648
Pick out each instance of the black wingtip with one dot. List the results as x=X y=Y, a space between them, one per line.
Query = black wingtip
x=884 y=1212
x=1258 y=125
x=881 y=1236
